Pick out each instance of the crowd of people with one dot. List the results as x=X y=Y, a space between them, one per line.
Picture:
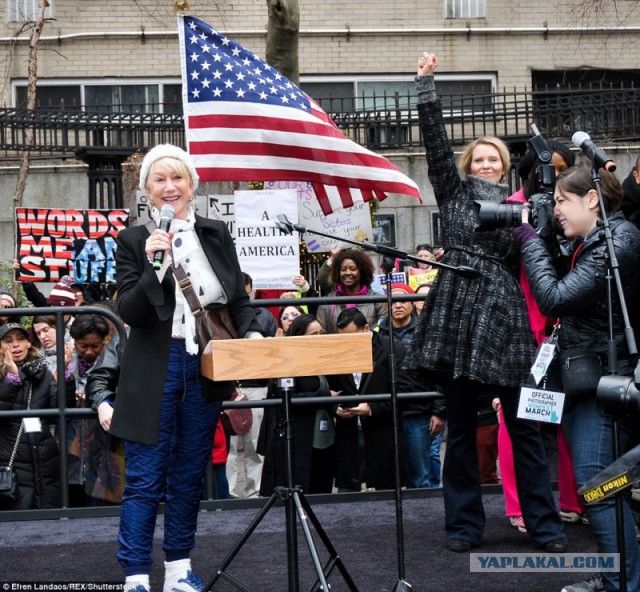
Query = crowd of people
x=471 y=340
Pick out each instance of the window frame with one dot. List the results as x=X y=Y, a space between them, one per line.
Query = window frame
x=30 y=8
x=450 y=9
x=391 y=78
x=82 y=83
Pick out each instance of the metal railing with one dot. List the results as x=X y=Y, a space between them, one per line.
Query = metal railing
x=62 y=414
x=390 y=120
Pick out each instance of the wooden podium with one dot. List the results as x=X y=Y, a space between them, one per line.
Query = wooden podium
x=284 y=358
x=278 y=357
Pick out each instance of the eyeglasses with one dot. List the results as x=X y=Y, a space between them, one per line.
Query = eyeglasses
x=290 y=316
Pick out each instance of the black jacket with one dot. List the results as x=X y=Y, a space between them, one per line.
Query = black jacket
x=377 y=429
x=147 y=306
x=273 y=446
x=474 y=328
x=37 y=462
x=579 y=298
x=631 y=201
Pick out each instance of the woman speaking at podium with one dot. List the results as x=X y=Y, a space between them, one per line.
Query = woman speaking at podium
x=165 y=410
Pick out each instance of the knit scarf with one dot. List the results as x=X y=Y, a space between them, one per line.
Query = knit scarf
x=34 y=368
x=341 y=291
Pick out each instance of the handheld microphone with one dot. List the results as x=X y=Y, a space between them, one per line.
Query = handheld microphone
x=166 y=215
x=583 y=141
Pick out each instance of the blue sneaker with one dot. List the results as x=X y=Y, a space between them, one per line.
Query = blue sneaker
x=191 y=583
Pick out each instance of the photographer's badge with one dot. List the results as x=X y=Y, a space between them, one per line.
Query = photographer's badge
x=543 y=360
x=539 y=404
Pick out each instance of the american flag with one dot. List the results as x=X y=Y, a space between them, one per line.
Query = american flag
x=245 y=121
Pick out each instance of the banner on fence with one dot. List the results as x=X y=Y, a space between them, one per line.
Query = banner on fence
x=51 y=243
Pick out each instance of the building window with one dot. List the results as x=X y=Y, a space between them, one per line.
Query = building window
x=21 y=11
x=465 y=9
x=436 y=229
x=104 y=96
x=384 y=230
x=395 y=94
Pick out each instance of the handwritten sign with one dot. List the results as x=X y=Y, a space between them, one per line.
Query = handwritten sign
x=349 y=223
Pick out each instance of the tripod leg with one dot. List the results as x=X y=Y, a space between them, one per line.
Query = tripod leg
x=243 y=539
x=309 y=537
x=334 y=559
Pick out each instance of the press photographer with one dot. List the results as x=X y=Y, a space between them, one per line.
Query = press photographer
x=537 y=169
x=578 y=299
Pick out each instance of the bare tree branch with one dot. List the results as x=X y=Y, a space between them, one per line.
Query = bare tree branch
x=32 y=80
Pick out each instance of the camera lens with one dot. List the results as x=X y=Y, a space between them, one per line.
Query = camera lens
x=618 y=394
x=493 y=215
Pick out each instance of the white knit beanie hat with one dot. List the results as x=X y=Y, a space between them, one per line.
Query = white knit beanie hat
x=164 y=151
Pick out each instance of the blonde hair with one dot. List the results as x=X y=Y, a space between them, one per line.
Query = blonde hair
x=464 y=162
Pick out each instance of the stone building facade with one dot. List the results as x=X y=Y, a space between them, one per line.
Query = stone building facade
x=93 y=51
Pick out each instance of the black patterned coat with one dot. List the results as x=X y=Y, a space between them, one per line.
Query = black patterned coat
x=472 y=328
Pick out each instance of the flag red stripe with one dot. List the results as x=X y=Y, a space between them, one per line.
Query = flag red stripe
x=267 y=122
x=323 y=198
x=275 y=174
x=268 y=149
x=345 y=196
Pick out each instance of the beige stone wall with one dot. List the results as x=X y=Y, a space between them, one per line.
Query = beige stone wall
x=337 y=37
x=377 y=37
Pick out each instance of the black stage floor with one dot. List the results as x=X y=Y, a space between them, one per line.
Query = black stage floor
x=362 y=529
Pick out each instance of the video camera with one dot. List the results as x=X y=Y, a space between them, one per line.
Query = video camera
x=540 y=205
x=619 y=394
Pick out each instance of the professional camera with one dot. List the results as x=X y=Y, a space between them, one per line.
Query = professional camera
x=540 y=205
x=619 y=394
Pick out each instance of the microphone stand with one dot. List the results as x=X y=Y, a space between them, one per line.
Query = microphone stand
x=613 y=274
x=286 y=226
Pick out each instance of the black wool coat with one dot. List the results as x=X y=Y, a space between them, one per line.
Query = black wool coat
x=147 y=306
x=273 y=447
x=477 y=328
x=37 y=461
x=377 y=429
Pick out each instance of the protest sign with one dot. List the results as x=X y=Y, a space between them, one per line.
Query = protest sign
x=419 y=277
x=222 y=207
x=51 y=243
x=270 y=256
x=349 y=223
x=143 y=207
